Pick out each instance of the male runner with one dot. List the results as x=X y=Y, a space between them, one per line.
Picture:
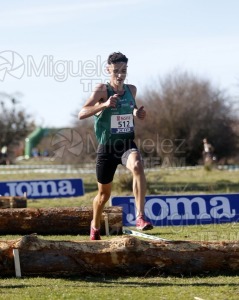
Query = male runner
x=114 y=108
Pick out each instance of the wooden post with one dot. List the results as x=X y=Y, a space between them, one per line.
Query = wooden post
x=17 y=262
x=13 y=202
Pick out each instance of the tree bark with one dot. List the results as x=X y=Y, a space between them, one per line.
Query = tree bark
x=66 y=220
x=118 y=256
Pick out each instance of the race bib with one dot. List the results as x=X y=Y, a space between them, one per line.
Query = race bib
x=122 y=123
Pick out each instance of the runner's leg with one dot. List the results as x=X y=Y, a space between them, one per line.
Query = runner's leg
x=135 y=165
x=104 y=191
x=105 y=169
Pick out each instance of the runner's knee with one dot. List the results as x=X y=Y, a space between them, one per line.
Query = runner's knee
x=138 y=167
x=103 y=197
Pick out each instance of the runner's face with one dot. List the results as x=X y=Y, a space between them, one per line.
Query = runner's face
x=118 y=73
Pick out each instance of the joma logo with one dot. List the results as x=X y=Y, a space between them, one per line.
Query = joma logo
x=41 y=188
x=182 y=208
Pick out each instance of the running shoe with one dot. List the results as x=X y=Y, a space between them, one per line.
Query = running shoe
x=94 y=234
x=141 y=224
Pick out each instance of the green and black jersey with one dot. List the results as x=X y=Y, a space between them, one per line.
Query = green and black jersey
x=115 y=124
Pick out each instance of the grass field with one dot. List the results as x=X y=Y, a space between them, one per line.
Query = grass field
x=210 y=286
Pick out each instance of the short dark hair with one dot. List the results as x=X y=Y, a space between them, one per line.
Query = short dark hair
x=117 y=57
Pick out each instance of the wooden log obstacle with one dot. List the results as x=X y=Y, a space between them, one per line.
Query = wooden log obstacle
x=58 y=220
x=120 y=256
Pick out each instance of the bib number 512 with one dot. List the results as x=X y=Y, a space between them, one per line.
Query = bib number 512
x=123 y=124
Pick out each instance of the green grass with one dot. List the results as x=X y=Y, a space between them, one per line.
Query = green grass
x=212 y=286
x=193 y=181
x=163 y=287
x=202 y=233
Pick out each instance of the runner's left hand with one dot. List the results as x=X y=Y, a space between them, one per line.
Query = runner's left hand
x=141 y=113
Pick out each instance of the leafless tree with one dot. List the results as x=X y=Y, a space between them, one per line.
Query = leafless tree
x=182 y=110
x=15 y=123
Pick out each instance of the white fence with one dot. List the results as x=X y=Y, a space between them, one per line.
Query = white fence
x=86 y=169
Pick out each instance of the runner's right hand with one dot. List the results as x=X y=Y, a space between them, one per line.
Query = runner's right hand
x=112 y=101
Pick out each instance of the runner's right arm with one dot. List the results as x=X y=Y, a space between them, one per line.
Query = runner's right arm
x=97 y=102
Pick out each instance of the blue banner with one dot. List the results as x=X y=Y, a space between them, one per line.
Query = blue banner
x=182 y=209
x=37 y=189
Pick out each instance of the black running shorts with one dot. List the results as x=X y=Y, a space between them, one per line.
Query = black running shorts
x=109 y=157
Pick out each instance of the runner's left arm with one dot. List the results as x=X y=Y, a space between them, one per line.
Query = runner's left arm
x=140 y=113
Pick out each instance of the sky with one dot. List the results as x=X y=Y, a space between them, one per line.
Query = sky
x=52 y=53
